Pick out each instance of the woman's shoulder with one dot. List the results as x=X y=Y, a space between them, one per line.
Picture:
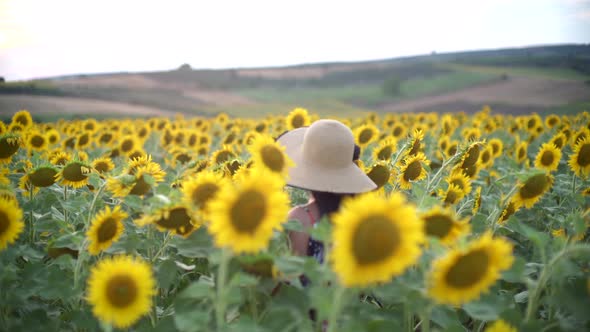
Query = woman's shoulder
x=301 y=213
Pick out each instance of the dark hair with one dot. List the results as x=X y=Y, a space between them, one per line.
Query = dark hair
x=330 y=202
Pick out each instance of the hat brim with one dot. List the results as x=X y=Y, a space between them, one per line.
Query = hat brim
x=305 y=175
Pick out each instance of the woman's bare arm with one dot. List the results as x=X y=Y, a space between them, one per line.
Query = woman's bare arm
x=299 y=240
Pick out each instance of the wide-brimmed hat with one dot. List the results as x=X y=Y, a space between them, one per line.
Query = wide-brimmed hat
x=322 y=154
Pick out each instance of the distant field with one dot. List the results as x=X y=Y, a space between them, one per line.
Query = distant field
x=514 y=80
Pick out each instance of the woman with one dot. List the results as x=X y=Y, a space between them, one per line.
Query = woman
x=324 y=155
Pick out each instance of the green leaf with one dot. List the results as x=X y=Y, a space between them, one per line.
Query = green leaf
x=521 y=297
x=516 y=273
x=95 y=180
x=322 y=230
x=166 y=273
x=290 y=265
x=198 y=290
x=539 y=239
x=240 y=279
x=489 y=306
x=72 y=241
x=198 y=244
x=134 y=202
x=293 y=225
x=444 y=316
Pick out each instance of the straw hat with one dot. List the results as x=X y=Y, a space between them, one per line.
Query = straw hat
x=322 y=154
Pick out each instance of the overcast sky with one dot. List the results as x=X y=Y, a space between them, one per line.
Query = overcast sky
x=41 y=38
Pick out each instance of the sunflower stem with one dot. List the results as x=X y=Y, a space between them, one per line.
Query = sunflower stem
x=546 y=274
x=336 y=308
x=220 y=302
x=162 y=247
x=32 y=223
x=574 y=183
x=408 y=319
x=65 y=200
x=426 y=320
x=81 y=258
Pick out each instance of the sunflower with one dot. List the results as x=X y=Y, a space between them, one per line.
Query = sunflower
x=385 y=149
x=462 y=275
x=83 y=141
x=552 y=120
x=508 y=211
x=398 y=130
x=105 y=138
x=416 y=143
x=9 y=144
x=103 y=165
x=42 y=176
x=471 y=157
x=222 y=155
x=380 y=174
x=452 y=148
x=548 y=157
x=476 y=200
x=74 y=174
x=497 y=147
x=558 y=140
x=135 y=182
x=36 y=141
x=458 y=178
x=11 y=221
x=106 y=228
x=373 y=245
x=176 y=219
x=180 y=156
x=128 y=144
x=521 y=152
x=412 y=170
x=580 y=158
x=120 y=290
x=59 y=157
x=366 y=134
x=486 y=157
x=443 y=224
x=298 y=117
x=532 y=189
x=23 y=118
x=580 y=135
x=243 y=217
x=500 y=326
x=201 y=189
x=452 y=195
x=270 y=155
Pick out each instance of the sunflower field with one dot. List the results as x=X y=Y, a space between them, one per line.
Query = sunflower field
x=479 y=223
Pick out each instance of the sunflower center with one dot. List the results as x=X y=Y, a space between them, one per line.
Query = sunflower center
x=22 y=119
x=397 y=131
x=495 y=148
x=177 y=219
x=83 y=140
x=4 y=222
x=107 y=229
x=375 y=239
x=37 y=141
x=43 y=177
x=248 y=211
x=297 y=121
x=558 y=142
x=547 y=158
x=385 y=153
x=458 y=183
x=584 y=155
x=73 y=172
x=106 y=138
x=127 y=145
x=203 y=193
x=223 y=156
x=7 y=148
x=140 y=188
x=471 y=156
x=468 y=269
x=485 y=156
x=365 y=136
x=438 y=225
x=380 y=175
x=183 y=158
x=121 y=291
x=534 y=186
x=102 y=167
x=415 y=148
x=521 y=153
x=413 y=171
x=452 y=196
x=272 y=158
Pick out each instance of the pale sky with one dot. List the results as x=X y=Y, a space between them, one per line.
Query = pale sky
x=42 y=38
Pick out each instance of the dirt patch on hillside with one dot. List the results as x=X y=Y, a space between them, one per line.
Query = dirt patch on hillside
x=10 y=104
x=308 y=72
x=128 y=81
x=517 y=92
